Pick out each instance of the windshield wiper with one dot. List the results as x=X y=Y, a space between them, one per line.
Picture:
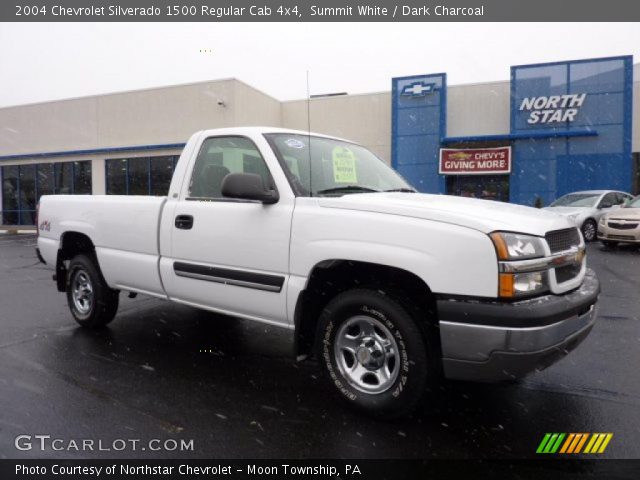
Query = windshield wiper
x=346 y=188
x=408 y=190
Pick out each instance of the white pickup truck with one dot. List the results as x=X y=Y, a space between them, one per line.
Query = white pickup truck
x=388 y=288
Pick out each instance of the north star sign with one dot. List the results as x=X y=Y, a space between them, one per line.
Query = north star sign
x=418 y=89
x=552 y=109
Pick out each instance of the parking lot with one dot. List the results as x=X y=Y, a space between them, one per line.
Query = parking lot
x=162 y=371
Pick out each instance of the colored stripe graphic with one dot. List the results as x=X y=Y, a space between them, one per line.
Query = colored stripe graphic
x=581 y=443
x=605 y=443
x=543 y=442
x=567 y=443
x=591 y=442
x=598 y=442
x=550 y=443
x=574 y=443
x=555 y=447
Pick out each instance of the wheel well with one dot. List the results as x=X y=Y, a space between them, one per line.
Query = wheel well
x=71 y=244
x=331 y=277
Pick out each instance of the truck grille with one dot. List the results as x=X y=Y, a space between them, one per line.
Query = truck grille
x=560 y=240
x=622 y=226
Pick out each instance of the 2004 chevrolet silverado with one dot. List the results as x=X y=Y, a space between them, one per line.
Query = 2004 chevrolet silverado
x=388 y=288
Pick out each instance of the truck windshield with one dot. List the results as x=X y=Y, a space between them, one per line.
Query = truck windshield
x=337 y=167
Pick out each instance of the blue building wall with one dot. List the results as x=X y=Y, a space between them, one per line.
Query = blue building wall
x=418 y=125
x=592 y=151
x=562 y=162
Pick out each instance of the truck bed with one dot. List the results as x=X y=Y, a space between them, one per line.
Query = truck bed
x=124 y=230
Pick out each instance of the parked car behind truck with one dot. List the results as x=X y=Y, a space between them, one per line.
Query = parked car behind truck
x=586 y=208
x=621 y=226
x=388 y=288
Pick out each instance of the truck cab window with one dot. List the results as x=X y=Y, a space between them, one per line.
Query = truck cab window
x=220 y=156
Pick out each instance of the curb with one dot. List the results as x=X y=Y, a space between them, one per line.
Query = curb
x=17 y=231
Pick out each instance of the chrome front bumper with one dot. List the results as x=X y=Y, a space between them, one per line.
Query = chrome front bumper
x=490 y=341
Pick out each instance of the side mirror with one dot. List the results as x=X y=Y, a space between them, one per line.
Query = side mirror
x=248 y=186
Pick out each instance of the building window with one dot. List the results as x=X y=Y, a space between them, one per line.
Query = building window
x=23 y=185
x=64 y=178
x=28 y=194
x=140 y=175
x=116 y=175
x=82 y=178
x=161 y=173
x=46 y=179
x=10 y=195
x=138 y=181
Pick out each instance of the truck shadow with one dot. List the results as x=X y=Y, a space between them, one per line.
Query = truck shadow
x=204 y=372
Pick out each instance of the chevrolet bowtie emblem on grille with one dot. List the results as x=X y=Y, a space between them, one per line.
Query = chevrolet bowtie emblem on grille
x=418 y=89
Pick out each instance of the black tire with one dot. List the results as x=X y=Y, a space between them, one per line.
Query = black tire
x=413 y=361
x=609 y=244
x=96 y=304
x=589 y=230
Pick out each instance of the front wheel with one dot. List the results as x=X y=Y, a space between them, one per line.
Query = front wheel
x=92 y=303
x=589 y=230
x=373 y=353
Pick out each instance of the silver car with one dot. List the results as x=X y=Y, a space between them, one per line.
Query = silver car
x=585 y=208
x=622 y=225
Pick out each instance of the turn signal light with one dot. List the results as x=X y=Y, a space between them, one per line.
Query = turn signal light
x=501 y=246
x=506 y=285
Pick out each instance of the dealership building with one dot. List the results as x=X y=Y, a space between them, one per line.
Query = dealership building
x=551 y=129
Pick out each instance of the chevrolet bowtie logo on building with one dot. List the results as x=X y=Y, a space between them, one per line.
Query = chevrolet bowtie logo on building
x=418 y=89
x=574 y=443
x=460 y=156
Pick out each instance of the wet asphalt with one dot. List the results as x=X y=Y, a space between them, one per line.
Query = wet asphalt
x=147 y=376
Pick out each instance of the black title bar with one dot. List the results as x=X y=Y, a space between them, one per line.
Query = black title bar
x=320 y=11
x=313 y=469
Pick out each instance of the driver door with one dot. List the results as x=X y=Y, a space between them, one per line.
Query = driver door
x=229 y=255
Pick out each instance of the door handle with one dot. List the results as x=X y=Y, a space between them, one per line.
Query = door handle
x=184 y=222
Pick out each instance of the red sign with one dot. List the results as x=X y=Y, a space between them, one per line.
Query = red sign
x=475 y=161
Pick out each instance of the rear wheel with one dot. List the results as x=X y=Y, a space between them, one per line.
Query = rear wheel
x=609 y=244
x=373 y=353
x=92 y=303
x=589 y=230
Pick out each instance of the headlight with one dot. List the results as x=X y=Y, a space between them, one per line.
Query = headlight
x=514 y=247
x=514 y=285
x=602 y=220
x=573 y=216
x=517 y=246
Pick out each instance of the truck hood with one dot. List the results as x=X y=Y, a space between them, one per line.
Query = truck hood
x=483 y=215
